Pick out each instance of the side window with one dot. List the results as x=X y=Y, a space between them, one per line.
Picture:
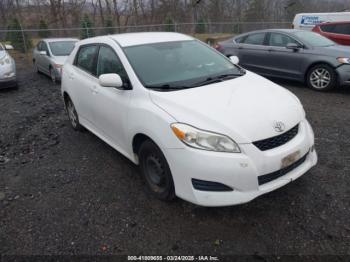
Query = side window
x=86 y=57
x=280 y=40
x=44 y=47
x=327 y=28
x=343 y=29
x=108 y=62
x=239 y=40
x=255 y=39
x=39 y=46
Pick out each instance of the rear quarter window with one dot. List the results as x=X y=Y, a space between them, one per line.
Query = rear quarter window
x=239 y=39
x=343 y=29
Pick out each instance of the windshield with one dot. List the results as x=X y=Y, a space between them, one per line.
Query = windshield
x=62 y=48
x=178 y=64
x=314 y=39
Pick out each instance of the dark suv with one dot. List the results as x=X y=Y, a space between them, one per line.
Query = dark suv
x=339 y=32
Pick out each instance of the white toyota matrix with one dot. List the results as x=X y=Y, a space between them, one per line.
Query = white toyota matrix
x=199 y=126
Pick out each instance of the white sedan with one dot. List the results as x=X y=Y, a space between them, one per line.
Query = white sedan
x=7 y=68
x=199 y=126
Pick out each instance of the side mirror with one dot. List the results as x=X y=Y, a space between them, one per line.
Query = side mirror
x=9 y=47
x=42 y=52
x=293 y=46
x=111 y=80
x=234 y=60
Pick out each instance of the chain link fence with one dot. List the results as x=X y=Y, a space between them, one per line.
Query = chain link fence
x=25 y=39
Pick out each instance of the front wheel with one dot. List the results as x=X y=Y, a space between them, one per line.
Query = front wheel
x=73 y=115
x=321 y=78
x=156 y=172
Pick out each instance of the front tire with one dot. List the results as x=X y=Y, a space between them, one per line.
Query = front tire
x=321 y=77
x=156 y=172
x=73 y=115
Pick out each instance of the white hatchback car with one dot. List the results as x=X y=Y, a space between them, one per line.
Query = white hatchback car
x=200 y=127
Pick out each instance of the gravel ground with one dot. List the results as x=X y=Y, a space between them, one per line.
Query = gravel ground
x=65 y=192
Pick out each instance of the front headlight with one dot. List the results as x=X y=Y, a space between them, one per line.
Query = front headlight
x=204 y=140
x=343 y=60
x=5 y=61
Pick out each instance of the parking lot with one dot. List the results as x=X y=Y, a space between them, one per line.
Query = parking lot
x=65 y=192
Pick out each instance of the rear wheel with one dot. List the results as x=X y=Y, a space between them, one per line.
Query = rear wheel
x=156 y=172
x=322 y=77
x=73 y=115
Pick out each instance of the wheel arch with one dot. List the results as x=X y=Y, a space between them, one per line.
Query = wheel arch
x=66 y=96
x=137 y=141
x=318 y=63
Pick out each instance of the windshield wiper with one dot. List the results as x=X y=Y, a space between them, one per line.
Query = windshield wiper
x=217 y=79
x=168 y=87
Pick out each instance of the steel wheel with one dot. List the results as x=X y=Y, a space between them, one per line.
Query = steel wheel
x=156 y=172
x=321 y=78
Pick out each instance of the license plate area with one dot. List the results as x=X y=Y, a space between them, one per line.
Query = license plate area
x=290 y=159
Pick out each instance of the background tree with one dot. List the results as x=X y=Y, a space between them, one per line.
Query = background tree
x=201 y=26
x=18 y=38
x=86 y=27
x=169 y=24
x=43 y=33
x=109 y=30
x=293 y=7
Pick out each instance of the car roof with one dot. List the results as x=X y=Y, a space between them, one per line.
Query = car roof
x=134 y=39
x=59 y=39
x=288 y=31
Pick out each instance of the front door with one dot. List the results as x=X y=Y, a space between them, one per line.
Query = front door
x=110 y=104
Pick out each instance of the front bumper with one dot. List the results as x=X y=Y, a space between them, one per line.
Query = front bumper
x=238 y=171
x=8 y=82
x=343 y=73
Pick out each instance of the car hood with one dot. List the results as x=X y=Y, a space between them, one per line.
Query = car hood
x=335 y=50
x=244 y=108
x=60 y=60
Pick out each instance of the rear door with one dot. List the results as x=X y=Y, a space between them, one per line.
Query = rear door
x=252 y=52
x=284 y=62
x=82 y=77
